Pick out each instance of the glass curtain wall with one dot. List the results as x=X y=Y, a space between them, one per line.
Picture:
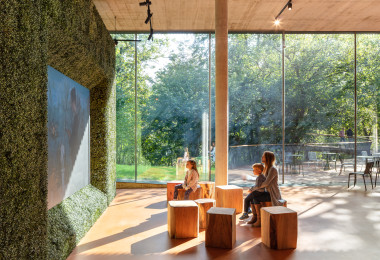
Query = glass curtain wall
x=319 y=106
x=171 y=119
x=368 y=97
x=255 y=98
x=172 y=116
x=125 y=109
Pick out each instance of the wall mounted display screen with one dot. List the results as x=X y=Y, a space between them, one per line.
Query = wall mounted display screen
x=68 y=137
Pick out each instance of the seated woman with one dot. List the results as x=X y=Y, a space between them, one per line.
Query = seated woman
x=272 y=193
x=191 y=180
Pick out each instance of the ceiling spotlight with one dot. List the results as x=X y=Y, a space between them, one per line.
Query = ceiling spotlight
x=149 y=16
x=147 y=2
x=276 y=22
x=290 y=5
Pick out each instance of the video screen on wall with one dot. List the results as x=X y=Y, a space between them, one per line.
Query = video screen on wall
x=68 y=136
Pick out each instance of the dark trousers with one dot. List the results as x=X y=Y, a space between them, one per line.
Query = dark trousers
x=179 y=186
x=261 y=197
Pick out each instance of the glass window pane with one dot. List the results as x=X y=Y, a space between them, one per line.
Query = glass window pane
x=255 y=100
x=319 y=106
x=125 y=108
x=173 y=93
x=368 y=81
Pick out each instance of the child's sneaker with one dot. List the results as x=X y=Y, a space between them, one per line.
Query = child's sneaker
x=244 y=216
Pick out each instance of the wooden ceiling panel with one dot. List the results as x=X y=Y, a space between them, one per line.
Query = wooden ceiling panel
x=244 y=15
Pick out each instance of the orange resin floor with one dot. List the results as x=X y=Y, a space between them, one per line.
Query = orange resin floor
x=333 y=223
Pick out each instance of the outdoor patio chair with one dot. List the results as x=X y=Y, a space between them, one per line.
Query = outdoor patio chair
x=313 y=159
x=367 y=171
x=344 y=164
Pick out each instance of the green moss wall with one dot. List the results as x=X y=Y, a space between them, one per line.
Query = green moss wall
x=69 y=36
x=23 y=123
x=103 y=139
x=71 y=219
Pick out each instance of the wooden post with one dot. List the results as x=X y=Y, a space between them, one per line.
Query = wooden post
x=221 y=92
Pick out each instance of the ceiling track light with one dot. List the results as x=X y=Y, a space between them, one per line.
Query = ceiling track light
x=147 y=2
x=147 y=20
x=288 y=5
x=149 y=17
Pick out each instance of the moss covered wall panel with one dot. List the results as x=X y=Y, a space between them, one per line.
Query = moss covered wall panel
x=23 y=130
x=70 y=36
x=103 y=139
x=72 y=218
x=79 y=44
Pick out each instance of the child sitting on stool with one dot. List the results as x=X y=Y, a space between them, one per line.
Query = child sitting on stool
x=257 y=170
x=191 y=180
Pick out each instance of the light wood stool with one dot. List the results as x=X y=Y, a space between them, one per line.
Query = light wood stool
x=182 y=219
x=170 y=189
x=221 y=227
x=229 y=196
x=269 y=203
x=204 y=205
x=279 y=227
x=193 y=195
x=208 y=189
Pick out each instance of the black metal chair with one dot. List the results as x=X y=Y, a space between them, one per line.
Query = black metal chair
x=367 y=171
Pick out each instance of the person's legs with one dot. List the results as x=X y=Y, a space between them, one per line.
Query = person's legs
x=178 y=186
x=187 y=193
x=261 y=197
x=257 y=198
x=247 y=201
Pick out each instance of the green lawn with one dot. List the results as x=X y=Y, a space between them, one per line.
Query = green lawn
x=155 y=173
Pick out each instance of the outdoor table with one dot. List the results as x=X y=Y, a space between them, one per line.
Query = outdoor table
x=366 y=157
x=327 y=157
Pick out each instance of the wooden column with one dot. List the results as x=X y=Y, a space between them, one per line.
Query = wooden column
x=221 y=92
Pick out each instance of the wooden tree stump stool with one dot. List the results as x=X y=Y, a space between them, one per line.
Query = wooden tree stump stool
x=279 y=227
x=221 y=227
x=229 y=196
x=204 y=205
x=208 y=189
x=269 y=203
x=170 y=189
x=182 y=219
x=193 y=195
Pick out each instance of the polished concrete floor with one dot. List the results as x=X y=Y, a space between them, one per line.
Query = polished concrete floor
x=334 y=223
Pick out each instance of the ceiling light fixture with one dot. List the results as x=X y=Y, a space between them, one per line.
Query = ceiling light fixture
x=147 y=2
x=288 y=5
x=148 y=18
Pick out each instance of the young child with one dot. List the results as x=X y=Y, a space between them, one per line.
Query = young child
x=191 y=180
x=257 y=170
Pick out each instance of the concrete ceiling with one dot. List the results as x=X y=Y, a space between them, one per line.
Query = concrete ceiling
x=244 y=15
